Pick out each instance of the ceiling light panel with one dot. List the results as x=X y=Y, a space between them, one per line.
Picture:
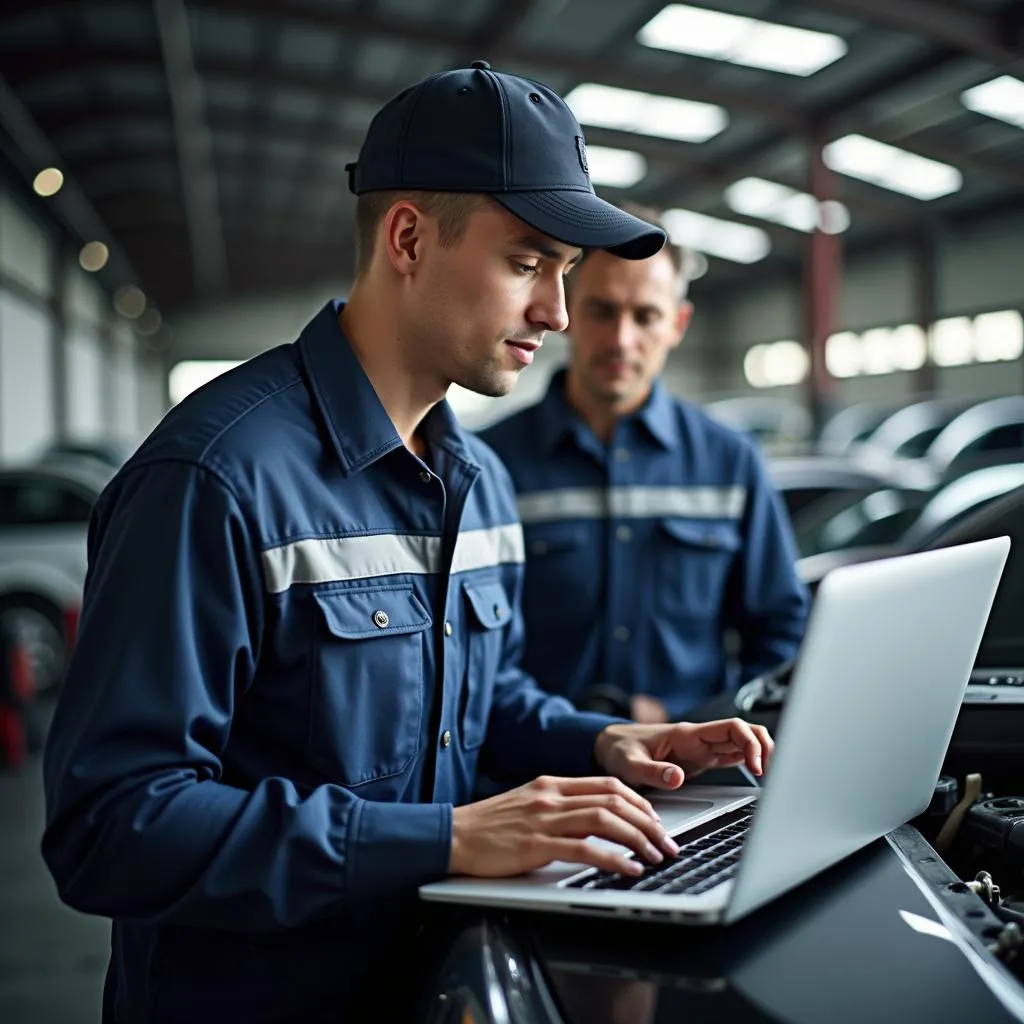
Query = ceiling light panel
x=1002 y=98
x=666 y=117
x=726 y=239
x=738 y=40
x=895 y=169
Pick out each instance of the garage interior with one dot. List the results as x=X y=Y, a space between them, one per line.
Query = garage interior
x=173 y=201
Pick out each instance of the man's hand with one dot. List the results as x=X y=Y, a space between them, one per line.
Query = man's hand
x=647 y=710
x=550 y=819
x=664 y=755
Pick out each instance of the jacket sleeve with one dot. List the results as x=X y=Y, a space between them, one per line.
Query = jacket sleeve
x=768 y=603
x=531 y=732
x=139 y=821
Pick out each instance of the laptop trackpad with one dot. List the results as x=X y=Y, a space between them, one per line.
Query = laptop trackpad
x=675 y=812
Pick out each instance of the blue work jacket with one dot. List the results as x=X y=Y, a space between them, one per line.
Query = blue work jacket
x=644 y=554
x=298 y=642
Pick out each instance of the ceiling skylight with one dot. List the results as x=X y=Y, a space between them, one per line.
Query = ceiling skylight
x=740 y=40
x=664 y=116
x=780 y=204
x=726 y=239
x=619 y=168
x=1002 y=98
x=892 y=168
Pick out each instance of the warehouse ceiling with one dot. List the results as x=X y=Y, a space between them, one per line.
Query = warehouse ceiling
x=209 y=137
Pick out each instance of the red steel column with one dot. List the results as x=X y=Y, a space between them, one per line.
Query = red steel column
x=822 y=283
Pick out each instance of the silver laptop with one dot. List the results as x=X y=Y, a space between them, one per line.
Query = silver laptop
x=874 y=697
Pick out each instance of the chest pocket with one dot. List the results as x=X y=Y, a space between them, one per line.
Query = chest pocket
x=693 y=564
x=366 y=706
x=488 y=610
x=554 y=539
x=560 y=582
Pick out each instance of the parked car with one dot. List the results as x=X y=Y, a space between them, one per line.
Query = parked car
x=44 y=514
x=857 y=518
x=804 y=481
x=909 y=432
x=951 y=504
x=853 y=425
x=775 y=422
x=993 y=426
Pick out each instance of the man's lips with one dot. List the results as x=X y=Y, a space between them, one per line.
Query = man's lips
x=523 y=350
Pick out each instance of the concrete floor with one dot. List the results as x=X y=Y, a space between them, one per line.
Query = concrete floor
x=52 y=959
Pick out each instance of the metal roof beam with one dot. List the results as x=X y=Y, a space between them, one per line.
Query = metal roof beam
x=951 y=24
x=192 y=140
x=35 y=151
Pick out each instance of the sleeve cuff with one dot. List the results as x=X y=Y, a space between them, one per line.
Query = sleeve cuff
x=396 y=848
x=573 y=753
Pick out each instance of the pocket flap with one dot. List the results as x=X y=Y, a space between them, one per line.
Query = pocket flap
x=489 y=602
x=361 y=614
x=552 y=537
x=707 y=536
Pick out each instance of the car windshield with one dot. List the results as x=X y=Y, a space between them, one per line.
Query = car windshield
x=862 y=518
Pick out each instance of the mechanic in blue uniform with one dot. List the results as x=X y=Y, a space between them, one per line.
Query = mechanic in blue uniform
x=652 y=531
x=301 y=626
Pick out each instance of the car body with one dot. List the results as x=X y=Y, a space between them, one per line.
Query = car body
x=988 y=427
x=805 y=480
x=44 y=516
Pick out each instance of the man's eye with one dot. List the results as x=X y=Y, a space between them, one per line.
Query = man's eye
x=526 y=268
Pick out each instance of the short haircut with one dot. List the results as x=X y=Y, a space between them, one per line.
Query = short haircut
x=684 y=262
x=452 y=210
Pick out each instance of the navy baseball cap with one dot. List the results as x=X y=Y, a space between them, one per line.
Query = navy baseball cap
x=478 y=130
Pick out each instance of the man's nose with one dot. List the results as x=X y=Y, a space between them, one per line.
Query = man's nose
x=549 y=310
x=625 y=333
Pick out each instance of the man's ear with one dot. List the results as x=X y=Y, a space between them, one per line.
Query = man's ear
x=402 y=236
x=683 y=318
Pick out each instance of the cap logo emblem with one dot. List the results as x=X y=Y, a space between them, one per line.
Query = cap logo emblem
x=581 y=152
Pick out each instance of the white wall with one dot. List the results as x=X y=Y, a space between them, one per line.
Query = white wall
x=979 y=269
x=26 y=375
x=152 y=391
x=111 y=388
x=241 y=329
x=84 y=354
x=123 y=386
x=24 y=247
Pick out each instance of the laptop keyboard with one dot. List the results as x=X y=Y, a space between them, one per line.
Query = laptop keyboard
x=709 y=857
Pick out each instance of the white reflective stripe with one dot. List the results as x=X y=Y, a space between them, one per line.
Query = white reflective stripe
x=633 y=503
x=701 y=502
x=329 y=559
x=569 y=503
x=333 y=559
x=479 y=549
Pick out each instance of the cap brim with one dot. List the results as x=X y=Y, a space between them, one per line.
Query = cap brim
x=585 y=220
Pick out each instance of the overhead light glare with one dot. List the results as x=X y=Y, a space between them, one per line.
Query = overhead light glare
x=888 y=167
x=739 y=40
x=741 y=243
x=149 y=321
x=776 y=364
x=130 y=301
x=780 y=204
x=93 y=256
x=48 y=182
x=1001 y=98
x=666 y=117
x=618 y=168
x=190 y=374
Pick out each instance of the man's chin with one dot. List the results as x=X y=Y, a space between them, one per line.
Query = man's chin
x=494 y=385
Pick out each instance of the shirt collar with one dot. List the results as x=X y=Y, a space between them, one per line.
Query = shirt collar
x=557 y=419
x=359 y=426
